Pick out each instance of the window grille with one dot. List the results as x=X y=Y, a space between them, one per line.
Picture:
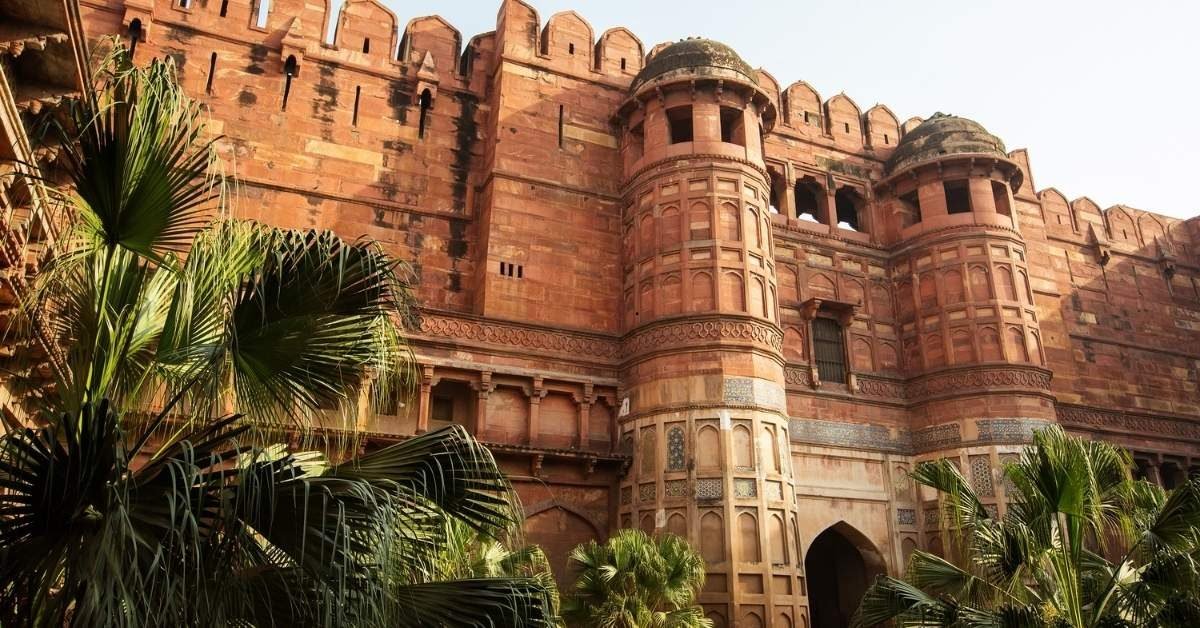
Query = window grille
x=830 y=349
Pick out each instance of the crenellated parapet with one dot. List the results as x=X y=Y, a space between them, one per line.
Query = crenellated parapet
x=773 y=303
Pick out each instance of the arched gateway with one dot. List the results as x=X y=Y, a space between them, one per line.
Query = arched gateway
x=840 y=564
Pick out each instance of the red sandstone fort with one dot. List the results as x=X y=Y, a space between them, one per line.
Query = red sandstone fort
x=672 y=293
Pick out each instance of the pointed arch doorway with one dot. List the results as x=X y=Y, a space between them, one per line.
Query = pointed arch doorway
x=839 y=566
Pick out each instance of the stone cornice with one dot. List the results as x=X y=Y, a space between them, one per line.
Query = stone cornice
x=943 y=384
x=978 y=379
x=703 y=330
x=942 y=234
x=572 y=345
x=714 y=157
x=1127 y=423
x=907 y=441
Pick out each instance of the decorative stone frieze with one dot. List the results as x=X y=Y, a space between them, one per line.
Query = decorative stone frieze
x=681 y=334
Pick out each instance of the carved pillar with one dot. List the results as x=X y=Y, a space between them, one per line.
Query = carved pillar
x=788 y=197
x=484 y=389
x=845 y=318
x=423 y=399
x=535 y=406
x=808 y=311
x=585 y=408
x=831 y=205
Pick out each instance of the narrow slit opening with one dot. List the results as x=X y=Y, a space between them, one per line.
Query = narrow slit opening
x=357 y=95
x=212 y=69
x=560 y=126
x=426 y=104
x=289 y=71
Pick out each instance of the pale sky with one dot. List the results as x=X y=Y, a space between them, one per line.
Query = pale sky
x=1103 y=93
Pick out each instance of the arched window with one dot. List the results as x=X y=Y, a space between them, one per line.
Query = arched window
x=702 y=292
x=670 y=227
x=810 y=200
x=676 y=449
x=733 y=292
x=849 y=205
x=776 y=459
x=778 y=540
x=1016 y=345
x=753 y=229
x=730 y=226
x=426 y=102
x=708 y=448
x=672 y=294
x=648 y=452
x=1004 y=283
x=748 y=530
x=712 y=538
x=952 y=287
x=743 y=448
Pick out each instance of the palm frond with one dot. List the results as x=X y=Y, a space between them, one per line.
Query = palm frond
x=136 y=157
x=891 y=599
x=445 y=467
x=314 y=323
x=497 y=602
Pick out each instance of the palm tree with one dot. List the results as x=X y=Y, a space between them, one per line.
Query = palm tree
x=636 y=581
x=1081 y=545
x=468 y=553
x=141 y=498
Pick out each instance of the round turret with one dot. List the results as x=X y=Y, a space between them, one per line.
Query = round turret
x=694 y=58
x=940 y=136
x=702 y=368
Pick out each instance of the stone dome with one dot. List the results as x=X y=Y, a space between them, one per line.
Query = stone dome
x=943 y=135
x=697 y=57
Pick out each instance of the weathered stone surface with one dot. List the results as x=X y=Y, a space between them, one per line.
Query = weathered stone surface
x=595 y=278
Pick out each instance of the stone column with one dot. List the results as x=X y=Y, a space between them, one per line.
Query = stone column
x=423 y=401
x=484 y=390
x=585 y=402
x=535 y=407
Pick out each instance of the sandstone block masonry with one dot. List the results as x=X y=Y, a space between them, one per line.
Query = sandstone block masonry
x=672 y=293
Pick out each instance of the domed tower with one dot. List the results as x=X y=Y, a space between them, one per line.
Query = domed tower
x=703 y=372
x=972 y=341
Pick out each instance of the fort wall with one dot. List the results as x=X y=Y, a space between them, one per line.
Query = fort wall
x=556 y=264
